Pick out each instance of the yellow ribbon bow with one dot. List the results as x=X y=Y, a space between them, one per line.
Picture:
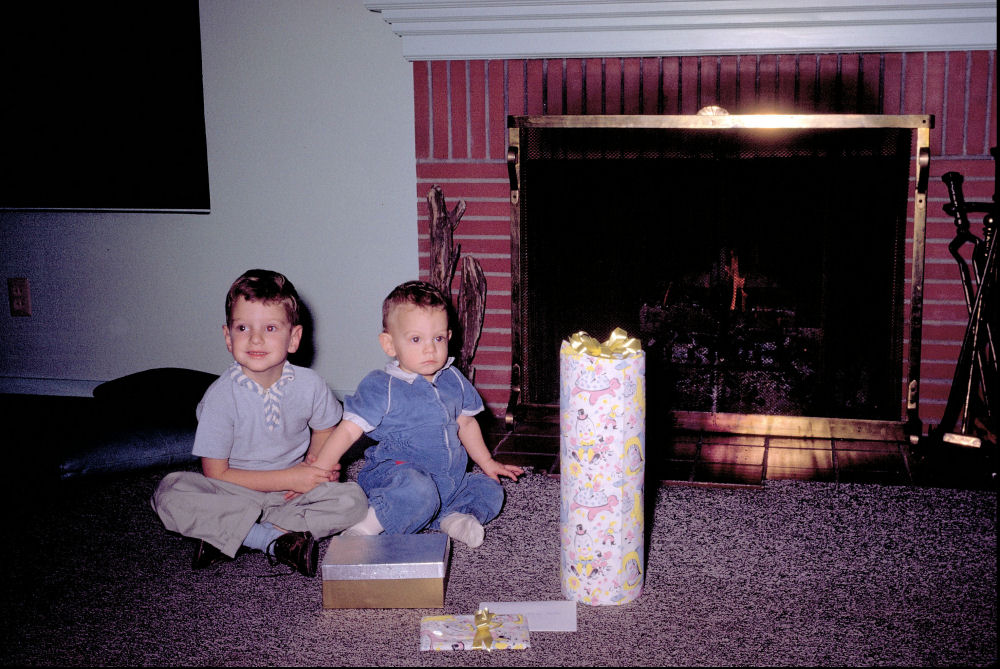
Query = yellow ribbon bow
x=483 y=638
x=618 y=345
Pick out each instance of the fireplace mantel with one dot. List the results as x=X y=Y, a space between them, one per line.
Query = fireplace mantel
x=515 y=29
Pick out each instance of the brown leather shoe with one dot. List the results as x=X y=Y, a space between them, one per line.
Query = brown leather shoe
x=296 y=549
x=206 y=555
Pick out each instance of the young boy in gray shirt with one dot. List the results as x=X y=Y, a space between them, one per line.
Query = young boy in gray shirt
x=258 y=426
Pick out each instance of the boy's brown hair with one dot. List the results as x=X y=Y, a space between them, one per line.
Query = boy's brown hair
x=416 y=293
x=265 y=286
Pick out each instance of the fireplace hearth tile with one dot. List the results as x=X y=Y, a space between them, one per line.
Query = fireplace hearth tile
x=877 y=461
x=735 y=454
x=796 y=443
x=681 y=448
x=798 y=458
x=723 y=472
x=866 y=445
x=734 y=439
x=801 y=474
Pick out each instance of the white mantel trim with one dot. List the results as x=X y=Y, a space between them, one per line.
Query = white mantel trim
x=513 y=29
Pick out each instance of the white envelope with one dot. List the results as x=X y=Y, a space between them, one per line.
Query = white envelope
x=553 y=616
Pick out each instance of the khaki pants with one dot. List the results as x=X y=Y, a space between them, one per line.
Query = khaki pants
x=222 y=513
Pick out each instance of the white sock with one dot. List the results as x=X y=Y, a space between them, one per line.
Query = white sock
x=367 y=527
x=463 y=527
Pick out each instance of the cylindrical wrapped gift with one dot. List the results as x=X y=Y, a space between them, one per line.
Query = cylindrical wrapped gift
x=602 y=463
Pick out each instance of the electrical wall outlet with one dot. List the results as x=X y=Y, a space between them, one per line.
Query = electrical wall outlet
x=19 y=295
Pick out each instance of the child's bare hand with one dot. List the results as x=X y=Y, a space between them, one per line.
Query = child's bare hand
x=311 y=458
x=305 y=477
x=495 y=470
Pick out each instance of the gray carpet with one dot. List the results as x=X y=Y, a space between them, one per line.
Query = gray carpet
x=793 y=574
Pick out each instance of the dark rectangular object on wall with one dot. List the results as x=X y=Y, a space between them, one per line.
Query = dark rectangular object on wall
x=103 y=107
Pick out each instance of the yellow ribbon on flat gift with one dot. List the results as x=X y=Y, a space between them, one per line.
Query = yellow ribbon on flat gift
x=618 y=345
x=483 y=638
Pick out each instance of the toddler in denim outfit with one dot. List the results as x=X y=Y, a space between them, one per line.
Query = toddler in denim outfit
x=421 y=411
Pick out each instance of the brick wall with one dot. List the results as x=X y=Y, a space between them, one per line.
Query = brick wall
x=461 y=144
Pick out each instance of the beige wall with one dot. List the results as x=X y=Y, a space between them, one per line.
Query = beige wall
x=309 y=114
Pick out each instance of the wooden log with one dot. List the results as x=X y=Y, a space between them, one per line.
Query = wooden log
x=470 y=310
x=471 y=313
x=444 y=255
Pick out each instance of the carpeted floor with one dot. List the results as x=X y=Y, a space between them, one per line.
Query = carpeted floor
x=793 y=574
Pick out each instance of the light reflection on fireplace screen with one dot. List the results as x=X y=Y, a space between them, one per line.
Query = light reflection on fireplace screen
x=764 y=275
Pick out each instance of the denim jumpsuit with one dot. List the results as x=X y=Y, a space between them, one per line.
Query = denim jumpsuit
x=416 y=473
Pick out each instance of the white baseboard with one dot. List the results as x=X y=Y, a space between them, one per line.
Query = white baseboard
x=17 y=385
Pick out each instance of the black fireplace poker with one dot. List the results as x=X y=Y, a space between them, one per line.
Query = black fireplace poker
x=974 y=387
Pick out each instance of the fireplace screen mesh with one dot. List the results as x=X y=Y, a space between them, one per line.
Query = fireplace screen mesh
x=762 y=269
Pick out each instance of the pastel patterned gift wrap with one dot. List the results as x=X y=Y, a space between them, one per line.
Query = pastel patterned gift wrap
x=482 y=631
x=602 y=460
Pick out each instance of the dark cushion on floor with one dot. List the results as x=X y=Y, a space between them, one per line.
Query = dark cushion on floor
x=128 y=449
x=146 y=419
x=166 y=395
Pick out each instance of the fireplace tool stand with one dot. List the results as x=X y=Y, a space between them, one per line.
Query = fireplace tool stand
x=970 y=413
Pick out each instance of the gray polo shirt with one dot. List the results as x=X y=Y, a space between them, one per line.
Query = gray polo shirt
x=263 y=429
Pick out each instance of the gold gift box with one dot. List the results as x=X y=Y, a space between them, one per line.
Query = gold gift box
x=395 y=571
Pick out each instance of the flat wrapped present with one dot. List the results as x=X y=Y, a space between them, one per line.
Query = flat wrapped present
x=394 y=571
x=482 y=631
x=602 y=468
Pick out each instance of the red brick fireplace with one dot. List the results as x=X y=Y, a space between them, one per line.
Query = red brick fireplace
x=461 y=110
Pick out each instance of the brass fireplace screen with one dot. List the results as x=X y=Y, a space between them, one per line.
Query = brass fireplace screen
x=760 y=259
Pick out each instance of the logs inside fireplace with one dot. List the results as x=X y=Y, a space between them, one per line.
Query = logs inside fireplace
x=760 y=259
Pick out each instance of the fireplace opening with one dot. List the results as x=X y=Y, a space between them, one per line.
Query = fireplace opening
x=763 y=270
